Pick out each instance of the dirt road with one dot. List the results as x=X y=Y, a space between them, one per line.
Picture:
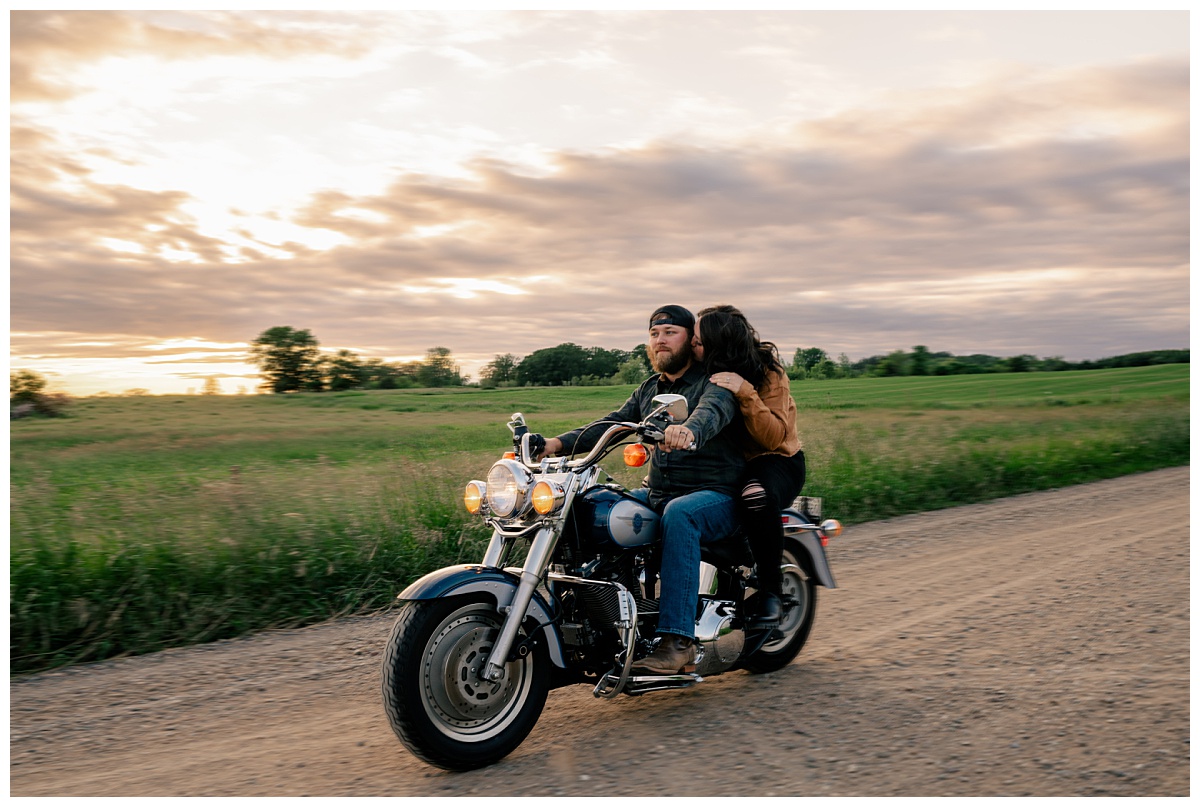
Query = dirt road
x=1037 y=645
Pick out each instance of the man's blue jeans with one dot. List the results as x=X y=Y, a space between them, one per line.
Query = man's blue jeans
x=688 y=521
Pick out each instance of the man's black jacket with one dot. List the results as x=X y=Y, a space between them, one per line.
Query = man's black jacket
x=714 y=419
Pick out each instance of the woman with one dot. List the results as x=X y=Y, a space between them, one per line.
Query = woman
x=736 y=359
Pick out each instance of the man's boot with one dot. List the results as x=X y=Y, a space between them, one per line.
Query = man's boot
x=674 y=654
x=768 y=613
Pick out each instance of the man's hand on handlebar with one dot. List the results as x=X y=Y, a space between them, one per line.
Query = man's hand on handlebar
x=677 y=438
x=552 y=447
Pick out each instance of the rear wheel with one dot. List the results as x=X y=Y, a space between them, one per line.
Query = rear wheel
x=434 y=695
x=799 y=595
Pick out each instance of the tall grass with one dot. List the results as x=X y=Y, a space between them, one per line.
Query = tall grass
x=140 y=524
x=873 y=469
x=137 y=568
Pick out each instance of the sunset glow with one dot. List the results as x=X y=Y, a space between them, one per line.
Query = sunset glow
x=500 y=182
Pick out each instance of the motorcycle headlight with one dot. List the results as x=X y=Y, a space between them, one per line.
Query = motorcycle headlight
x=508 y=485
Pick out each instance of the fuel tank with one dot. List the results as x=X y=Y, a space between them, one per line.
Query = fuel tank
x=607 y=516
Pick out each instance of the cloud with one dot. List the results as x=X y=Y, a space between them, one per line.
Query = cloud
x=951 y=32
x=48 y=47
x=879 y=195
x=1020 y=215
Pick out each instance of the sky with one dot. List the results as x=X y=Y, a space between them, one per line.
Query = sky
x=498 y=182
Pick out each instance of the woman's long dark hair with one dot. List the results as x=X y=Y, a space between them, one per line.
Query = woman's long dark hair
x=731 y=345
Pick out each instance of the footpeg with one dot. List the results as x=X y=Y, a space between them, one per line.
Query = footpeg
x=610 y=684
x=641 y=684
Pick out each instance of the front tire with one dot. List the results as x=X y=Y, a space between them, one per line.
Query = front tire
x=800 y=608
x=434 y=697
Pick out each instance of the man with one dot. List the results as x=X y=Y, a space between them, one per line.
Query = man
x=693 y=490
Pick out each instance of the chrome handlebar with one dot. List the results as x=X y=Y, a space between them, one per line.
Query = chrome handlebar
x=672 y=408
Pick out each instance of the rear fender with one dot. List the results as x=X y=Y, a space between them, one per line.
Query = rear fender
x=498 y=584
x=812 y=559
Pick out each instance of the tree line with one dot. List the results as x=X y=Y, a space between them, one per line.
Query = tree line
x=921 y=361
x=290 y=360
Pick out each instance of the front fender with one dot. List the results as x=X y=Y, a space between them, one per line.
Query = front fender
x=498 y=584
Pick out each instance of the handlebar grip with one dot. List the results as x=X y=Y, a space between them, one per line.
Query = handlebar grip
x=531 y=445
x=656 y=436
x=537 y=444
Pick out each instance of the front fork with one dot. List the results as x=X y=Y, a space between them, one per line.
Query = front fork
x=537 y=560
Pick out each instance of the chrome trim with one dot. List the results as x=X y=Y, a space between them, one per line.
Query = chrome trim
x=719 y=643
x=602 y=445
x=641 y=684
x=522 y=481
x=824 y=528
x=557 y=492
x=671 y=404
x=519 y=531
x=612 y=683
x=531 y=576
x=483 y=505
x=496 y=549
x=628 y=626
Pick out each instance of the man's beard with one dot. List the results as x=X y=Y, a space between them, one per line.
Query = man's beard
x=671 y=363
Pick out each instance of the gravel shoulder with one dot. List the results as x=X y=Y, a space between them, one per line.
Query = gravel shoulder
x=1032 y=646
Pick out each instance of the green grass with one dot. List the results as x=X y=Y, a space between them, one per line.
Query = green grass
x=1078 y=387
x=144 y=523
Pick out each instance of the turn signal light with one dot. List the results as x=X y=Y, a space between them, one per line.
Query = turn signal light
x=830 y=528
x=509 y=455
x=636 y=455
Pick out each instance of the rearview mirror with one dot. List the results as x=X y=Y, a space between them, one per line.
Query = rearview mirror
x=674 y=407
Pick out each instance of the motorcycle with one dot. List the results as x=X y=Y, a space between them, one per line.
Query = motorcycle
x=476 y=648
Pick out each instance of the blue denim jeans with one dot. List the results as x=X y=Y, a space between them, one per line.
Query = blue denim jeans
x=688 y=521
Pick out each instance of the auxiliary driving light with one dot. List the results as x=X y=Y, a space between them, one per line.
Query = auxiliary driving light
x=473 y=496
x=547 y=497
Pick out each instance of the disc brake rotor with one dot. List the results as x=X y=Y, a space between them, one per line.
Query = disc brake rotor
x=454 y=685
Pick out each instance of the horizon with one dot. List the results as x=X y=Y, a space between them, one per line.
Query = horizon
x=1005 y=182
x=473 y=381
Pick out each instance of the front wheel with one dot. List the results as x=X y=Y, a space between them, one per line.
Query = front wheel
x=799 y=595
x=433 y=693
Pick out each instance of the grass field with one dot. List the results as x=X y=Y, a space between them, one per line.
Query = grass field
x=143 y=523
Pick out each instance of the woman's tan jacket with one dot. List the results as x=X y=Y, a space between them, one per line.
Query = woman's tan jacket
x=770 y=416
